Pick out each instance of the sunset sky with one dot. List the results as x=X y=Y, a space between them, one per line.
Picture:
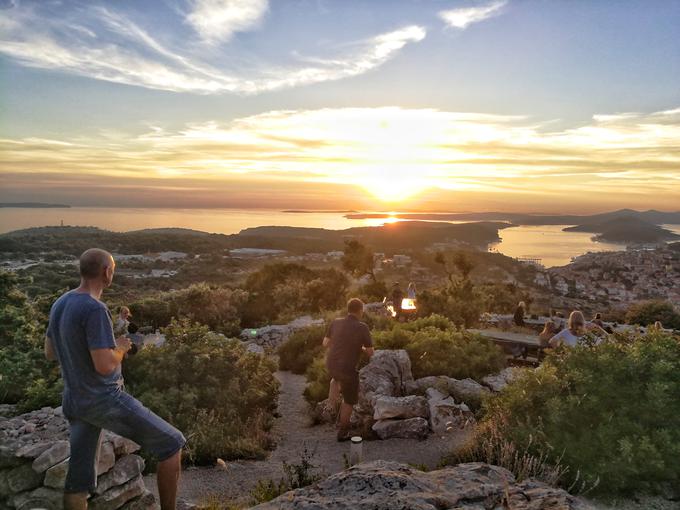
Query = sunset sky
x=518 y=105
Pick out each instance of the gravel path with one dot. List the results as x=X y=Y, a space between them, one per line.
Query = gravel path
x=293 y=432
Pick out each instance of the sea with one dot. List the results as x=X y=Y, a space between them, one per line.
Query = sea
x=547 y=243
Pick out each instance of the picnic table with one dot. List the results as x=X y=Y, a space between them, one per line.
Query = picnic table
x=520 y=347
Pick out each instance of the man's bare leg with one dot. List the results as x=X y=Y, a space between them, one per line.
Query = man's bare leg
x=75 y=501
x=345 y=415
x=167 y=478
x=334 y=393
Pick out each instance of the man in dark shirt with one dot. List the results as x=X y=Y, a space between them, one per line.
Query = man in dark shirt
x=345 y=339
x=80 y=336
x=397 y=298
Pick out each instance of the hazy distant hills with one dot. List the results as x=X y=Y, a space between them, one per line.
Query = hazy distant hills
x=388 y=238
x=626 y=229
x=651 y=216
x=33 y=205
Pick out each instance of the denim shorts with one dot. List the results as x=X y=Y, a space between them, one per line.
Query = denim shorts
x=124 y=415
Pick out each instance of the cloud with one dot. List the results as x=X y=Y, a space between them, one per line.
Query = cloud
x=466 y=16
x=632 y=156
x=217 y=20
x=99 y=43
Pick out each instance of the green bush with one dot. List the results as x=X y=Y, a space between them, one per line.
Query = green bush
x=278 y=292
x=648 y=312
x=27 y=378
x=609 y=412
x=449 y=352
x=462 y=303
x=317 y=381
x=219 y=308
x=298 y=352
x=220 y=396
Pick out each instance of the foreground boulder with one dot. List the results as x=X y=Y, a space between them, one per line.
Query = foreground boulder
x=445 y=414
x=389 y=485
x=411 y=428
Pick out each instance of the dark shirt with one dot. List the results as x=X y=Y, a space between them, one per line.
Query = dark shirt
x=397 y=298
x=79 y=323
x=519 y=316
x=348 y=335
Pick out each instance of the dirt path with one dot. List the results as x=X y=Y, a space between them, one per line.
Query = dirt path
x=293 y=432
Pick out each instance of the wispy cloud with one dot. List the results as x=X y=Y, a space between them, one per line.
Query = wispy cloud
x=466 y=16
x=106 y=45
x=217 y=20
x=633 y=158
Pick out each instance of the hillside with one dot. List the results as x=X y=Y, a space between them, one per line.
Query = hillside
x=627 y=229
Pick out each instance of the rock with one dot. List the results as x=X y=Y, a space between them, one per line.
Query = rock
x=468 y=391
x=33 y=450
x=274 y=335
x=7 y=456
x=39 y=498
x=500 y=380
x=388 y=373
x=22 y=478
x=389 y=485
x=55 y=476
x=144 y=502
x=410 y=406
x=412 y=428
x=254 y=348
x=445 y=414
x=121 y=445
x=107 y=458
x=125 y=469
x=52 y=456
x=119 y=495
x=324 y=412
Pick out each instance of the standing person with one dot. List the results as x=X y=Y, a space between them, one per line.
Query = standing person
x=520 y=311
x=120 y=327
x=397 y=298
x=411 y=291
x=345 y=339
x=80 y=336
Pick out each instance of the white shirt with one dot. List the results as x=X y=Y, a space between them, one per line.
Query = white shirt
x=565 y=337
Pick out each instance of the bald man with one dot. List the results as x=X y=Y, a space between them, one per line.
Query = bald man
x=80 y=336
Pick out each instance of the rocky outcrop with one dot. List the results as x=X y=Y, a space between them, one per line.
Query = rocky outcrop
x=498 y=381
x=445 y=414
x=34 y=459
x=411 y=428
x=411 y=406
x=270 y=337
x=390 y=485
x=468 y=391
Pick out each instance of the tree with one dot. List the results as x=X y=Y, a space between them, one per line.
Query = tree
x=358 y=260
x=649 y=312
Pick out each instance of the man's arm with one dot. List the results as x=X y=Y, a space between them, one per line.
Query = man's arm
x=107 y=360
x=326 y=341
x=49 y=350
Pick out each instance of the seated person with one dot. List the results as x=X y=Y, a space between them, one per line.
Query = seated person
x=576 y=328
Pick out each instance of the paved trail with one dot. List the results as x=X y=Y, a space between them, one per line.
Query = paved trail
x=293 y=432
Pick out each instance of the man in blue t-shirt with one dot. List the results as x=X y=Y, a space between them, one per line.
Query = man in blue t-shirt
x=80 y=336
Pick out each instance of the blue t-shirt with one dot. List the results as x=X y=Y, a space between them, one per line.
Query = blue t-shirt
x=79 y=323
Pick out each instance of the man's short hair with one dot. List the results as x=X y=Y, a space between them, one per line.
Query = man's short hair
x=92 y=262
x=355 y=305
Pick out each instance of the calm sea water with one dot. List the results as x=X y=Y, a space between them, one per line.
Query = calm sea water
x=546 y=242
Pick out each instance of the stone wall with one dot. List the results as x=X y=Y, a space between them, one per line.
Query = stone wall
x=34 y=456
x=270 y=337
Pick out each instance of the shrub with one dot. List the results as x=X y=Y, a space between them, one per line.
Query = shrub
x=317 y=381
x=608 y=412
x=220 y=396
x=26 y=377
x=279 y=291
x=449 y=352
x=219 y=308
x=648 y=312
x=461 y=303
x=298 y=352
